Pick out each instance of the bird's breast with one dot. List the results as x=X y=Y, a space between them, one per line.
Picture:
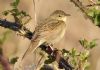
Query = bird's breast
x=57 y=34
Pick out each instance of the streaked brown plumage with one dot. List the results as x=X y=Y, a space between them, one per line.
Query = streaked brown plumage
x=51 y=30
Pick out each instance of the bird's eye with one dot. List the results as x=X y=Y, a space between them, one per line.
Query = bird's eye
x=59 y=15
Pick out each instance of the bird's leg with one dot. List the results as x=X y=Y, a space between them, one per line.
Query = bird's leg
x=48 y=44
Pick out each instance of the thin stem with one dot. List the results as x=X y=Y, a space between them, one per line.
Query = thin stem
x=82 y=8
x=35 y=15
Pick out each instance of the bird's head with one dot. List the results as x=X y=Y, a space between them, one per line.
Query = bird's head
x=59 y=15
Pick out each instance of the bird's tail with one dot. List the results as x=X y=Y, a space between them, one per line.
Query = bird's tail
x=27 y=55
x=32 y=47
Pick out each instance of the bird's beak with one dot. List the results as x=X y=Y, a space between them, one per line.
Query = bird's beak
x=68 y=15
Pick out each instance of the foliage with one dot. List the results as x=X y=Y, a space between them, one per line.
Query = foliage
x=15 y=4
x=49 y=60
x=94 y=13
x=18 y=15
x=78 y=60
x=88 y=45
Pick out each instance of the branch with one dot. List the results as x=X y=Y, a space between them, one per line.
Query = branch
x=82 y=8
x=16 y=27
x=28 y=34
x=54 y=53
x=91 y=5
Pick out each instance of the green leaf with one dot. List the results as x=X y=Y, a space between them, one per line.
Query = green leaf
x=97 y=20
x=88 y=45
x=74 y=53
x=65 y=51
x=91 y=13
x=13 y=60
x=49 y=60
x=15 y=3
x=84 y=43
x=84 y=55
x=95 y=14
x=93 y=44
x=87 y=66
x=74 y=62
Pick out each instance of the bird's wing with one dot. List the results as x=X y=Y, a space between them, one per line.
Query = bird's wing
x=48 y=27
x=42 y=31
x=30 y=48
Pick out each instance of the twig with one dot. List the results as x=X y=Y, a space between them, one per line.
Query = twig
x=16 y=27
x=35 y=15
x=98 y=4
x=55 y=54
x=82 y=8
x=28 y=34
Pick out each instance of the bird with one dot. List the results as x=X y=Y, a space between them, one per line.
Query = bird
x=50 y=30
